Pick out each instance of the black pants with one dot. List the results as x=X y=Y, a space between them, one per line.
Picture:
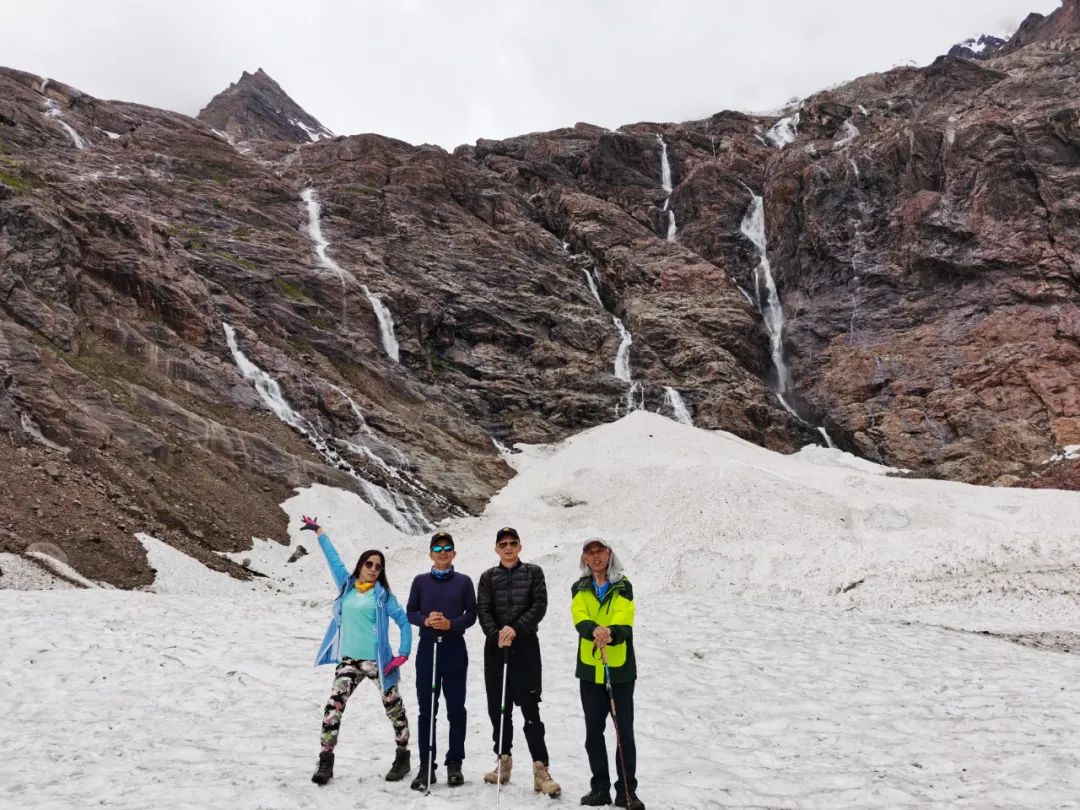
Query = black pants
x=528 y=701
x=452 y=669
x=594 y=702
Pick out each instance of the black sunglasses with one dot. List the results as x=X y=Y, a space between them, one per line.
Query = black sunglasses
x=377 y=566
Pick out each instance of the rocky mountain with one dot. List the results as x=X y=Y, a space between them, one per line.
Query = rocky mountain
x=256 y=108
x=1064 y=22
x=197 y=315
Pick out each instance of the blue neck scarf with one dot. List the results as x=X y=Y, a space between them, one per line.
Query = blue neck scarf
x=601 y=590
x=442 y=576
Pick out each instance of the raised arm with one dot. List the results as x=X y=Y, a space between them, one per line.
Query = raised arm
x=337 y=569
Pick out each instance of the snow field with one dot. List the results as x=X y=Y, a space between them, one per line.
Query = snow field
x=762 y=681
x=148 y=700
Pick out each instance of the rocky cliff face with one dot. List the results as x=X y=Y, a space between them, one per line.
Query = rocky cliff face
x=191 y=323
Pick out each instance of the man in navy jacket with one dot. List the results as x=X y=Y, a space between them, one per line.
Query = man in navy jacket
x=442 y=603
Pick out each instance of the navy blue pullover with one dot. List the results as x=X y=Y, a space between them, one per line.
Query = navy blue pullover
x=454 y=598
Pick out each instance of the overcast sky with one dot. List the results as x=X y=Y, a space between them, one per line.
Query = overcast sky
x=452 y=71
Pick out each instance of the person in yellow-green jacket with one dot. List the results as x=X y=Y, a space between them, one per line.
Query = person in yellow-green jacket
x=602 y=606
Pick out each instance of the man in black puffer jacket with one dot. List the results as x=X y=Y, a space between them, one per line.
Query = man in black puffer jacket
x=511 y=600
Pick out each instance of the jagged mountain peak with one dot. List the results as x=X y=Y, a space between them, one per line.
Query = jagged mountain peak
x=982 y=47
x=1036 y=27
x=256 y=108
x=1065 y=21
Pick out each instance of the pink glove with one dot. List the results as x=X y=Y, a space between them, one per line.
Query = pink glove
x=310 y=524
x=395 y=663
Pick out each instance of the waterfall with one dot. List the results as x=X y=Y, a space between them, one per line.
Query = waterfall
x=314 y=212
x=31 y=429
x=768 y=304
x=593 y=288
x=622 y=356
x=502 y=449
x=404 y=513
x=665 y=182
x=634 y=397
x=828 y=439
x=767 y=298
x=386 y=325
x=314 y=229
x=53 y=111
x=678 y=406
x=396 y=471
x=784 y=131
x=382 y=312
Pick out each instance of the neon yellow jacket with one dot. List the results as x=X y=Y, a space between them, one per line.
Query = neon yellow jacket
x=615 y=612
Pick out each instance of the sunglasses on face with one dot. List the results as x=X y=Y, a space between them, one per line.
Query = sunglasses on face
x=507 y=544
x=441 y=549
x=376 y=566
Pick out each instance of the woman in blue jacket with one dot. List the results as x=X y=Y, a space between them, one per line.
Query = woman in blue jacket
x=358 y=641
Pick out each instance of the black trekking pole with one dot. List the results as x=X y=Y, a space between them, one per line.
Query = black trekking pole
x=615 y=723
x=431 y=736
x=502 y=727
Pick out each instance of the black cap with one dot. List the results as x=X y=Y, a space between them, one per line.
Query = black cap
x=506 y=531
x=439 y=538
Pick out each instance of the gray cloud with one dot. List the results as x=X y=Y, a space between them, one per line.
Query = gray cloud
x=452 y=71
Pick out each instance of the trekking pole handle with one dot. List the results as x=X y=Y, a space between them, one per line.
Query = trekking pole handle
x=607 y=680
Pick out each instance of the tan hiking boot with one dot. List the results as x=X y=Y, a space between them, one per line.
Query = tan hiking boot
x=542 y=781
x=507 y=763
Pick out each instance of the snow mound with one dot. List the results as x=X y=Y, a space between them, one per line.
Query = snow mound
x=698 y=511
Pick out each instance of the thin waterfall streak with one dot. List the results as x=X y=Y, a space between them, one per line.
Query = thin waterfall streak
x=404 y=514
x=768 y=298
x=386 y=325
x=678 y=406
x=665 y=183
x=622 y=355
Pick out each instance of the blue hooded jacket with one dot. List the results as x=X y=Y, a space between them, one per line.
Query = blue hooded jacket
x=386 y=608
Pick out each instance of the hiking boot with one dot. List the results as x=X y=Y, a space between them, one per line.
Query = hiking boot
x=454 y=777
x=596 y=798
x=542 y=781
x=401 y=767
x=635 y=802
x=421 y=780
x=325 y=771
x=507 y=763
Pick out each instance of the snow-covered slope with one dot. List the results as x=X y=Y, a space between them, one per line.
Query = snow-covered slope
x=768 y=677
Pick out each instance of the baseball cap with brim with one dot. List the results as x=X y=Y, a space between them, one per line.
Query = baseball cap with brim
x=506 y=531
x=441 y=538
x=593 y=541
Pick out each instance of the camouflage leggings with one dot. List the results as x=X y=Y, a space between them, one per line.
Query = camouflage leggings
x=348 y=674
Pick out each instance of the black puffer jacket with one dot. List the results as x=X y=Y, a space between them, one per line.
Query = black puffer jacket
x=511 y=596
